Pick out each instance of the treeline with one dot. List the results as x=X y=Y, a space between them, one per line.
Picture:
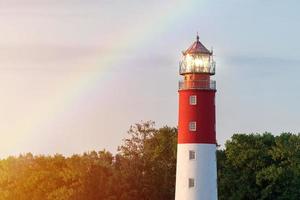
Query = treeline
x=255 y=166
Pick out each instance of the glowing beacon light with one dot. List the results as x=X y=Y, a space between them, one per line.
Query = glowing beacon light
x=196 y=176
x=197 y=59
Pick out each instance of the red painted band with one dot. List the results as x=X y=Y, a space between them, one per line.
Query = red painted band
x=203 y=113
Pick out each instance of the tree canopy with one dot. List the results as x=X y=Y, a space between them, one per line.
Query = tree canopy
x=260 y=166
x=251 y=166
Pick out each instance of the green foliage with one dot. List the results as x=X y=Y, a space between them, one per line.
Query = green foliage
x=143 y=168
x=260 y=167
x=147 y=161
x=255 y=166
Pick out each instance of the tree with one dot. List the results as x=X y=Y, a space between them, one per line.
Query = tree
x=251 y=166
x=147 y=160
x=260 y=167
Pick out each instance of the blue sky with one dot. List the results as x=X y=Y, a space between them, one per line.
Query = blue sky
x=132 y=49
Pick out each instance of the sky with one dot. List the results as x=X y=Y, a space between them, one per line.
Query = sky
x=74 y=75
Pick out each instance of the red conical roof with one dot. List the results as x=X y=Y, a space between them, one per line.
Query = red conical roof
x=197 y=47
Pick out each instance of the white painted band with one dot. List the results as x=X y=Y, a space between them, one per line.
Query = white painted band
x=203 y=169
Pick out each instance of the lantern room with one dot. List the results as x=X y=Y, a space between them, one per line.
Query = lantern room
x=197 y=60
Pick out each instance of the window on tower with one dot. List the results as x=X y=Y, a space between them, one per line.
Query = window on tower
x=192 y=155
x=193 y=100
x=191 y=182
x=192 y=126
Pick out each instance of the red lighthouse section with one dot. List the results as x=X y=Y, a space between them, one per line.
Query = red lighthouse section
x=197 y=116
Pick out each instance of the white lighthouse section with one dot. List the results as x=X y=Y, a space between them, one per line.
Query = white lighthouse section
x=196 y=172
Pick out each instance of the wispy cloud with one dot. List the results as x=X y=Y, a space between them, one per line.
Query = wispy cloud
x=266 y=61
x=41 y=56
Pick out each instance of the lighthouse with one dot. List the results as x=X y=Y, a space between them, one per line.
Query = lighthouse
x=196 y=175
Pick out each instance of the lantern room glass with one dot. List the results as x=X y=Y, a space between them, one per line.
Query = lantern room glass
x=197 y=63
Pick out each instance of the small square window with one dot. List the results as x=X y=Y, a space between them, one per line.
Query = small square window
x=192 y=126
x=193 y=100
x=192 y=155
x=191 y=182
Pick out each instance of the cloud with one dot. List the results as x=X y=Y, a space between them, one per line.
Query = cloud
x=40 y=56
x=46 y=7
x=258 y=61
x=46 y=2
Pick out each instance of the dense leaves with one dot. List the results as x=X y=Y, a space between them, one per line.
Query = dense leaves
x=260 y=167
x=143 y=169
x=255 y=166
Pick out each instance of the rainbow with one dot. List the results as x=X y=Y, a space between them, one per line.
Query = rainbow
x=80 y=85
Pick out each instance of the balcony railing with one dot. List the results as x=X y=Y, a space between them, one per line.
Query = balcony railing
x=199 y=84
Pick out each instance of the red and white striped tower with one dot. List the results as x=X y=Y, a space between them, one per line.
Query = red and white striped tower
x=196 y=177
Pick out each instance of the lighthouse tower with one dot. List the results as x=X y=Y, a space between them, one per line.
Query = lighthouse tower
x=196 y=176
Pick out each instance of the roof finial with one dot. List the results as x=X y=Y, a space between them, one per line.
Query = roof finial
x=197 y=37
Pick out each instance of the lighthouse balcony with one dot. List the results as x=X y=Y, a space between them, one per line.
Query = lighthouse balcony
x=197 y=84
